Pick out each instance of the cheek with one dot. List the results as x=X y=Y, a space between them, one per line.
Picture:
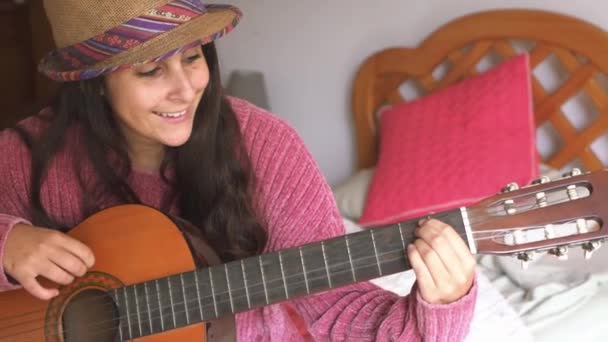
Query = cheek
x=200 y=80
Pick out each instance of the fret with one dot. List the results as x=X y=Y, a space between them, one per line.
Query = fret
x=263 y=280
x=166 y=304
x=127 y=312
x=246 y=284
x=304 y=270
x=160 y=305
x=229 y=288
x=191 y=295
x=198 y=295
x=148 y=307
x=325 y=262
x=363 y=260
x=213 y=292
x=171 y=302
x=238 y=290
x=316 y=273
x=221 y=292
x=403 y=244
x=293 y=265
x=283 y=275
x=119 y=302
x=143 y=312
x=392 y=258
x=350 y=258
x=253 y=273
x=339 y=263
x=181 y=281
x=206 y=294
x=138 y=313
x=272 y=276
x=371 y=233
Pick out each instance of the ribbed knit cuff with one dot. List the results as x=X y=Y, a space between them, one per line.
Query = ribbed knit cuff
x=446 y=322
x=7 y=223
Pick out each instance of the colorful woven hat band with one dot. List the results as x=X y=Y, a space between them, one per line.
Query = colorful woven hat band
x=83 y=60
x=130 y=34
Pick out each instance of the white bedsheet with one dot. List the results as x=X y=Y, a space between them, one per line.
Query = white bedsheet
x=494 y=319
x=551 y=301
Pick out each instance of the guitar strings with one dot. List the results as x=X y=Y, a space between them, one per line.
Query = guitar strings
x=135 y=315
x=471 y=214
x=160 y=314
x=148 y=313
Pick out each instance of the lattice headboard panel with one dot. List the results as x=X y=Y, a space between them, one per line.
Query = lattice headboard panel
x=569 y=61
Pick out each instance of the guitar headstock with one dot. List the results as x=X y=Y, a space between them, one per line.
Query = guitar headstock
x=545 y=216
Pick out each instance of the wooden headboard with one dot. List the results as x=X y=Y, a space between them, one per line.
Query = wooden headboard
x=580 y=49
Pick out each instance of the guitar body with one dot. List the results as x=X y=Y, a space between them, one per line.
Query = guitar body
x=131 y=244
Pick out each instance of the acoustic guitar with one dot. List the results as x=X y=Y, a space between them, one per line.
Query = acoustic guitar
x=145 y=285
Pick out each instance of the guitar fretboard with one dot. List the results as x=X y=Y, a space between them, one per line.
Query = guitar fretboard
x=206 y=294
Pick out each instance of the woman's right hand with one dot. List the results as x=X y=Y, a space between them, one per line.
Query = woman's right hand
x=31 y=251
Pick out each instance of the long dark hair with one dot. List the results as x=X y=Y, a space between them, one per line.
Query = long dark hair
x=212 y=181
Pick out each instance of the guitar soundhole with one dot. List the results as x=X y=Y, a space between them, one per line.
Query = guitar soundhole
x=91 y=316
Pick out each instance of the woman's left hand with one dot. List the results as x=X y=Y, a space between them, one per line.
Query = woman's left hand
x=444 y=266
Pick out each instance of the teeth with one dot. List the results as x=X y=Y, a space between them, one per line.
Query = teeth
x=171 y=115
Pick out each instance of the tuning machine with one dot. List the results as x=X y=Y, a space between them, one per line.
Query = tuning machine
x=525 y=258
x=510 y=187
x=561 y=252
x=541 y=180
x=590 y=247
x=574 y=172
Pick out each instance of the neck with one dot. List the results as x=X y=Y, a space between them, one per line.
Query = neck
x=146 y=157
x=210 y=293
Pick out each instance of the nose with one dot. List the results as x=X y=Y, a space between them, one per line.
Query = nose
x=181 y=85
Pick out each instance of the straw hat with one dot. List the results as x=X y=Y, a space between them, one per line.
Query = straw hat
x=95 y=37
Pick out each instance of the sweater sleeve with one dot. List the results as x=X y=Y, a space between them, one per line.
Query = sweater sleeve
x=299 y=208
x=14 y=176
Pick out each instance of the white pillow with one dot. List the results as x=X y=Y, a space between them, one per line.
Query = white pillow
x=350 y=195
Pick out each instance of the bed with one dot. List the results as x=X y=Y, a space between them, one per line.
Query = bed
x=568 y=58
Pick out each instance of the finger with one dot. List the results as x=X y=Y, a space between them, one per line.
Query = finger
x=77 y=248
x=31 y=285
x=433 y=262
x=55 y=273
x=68 y=261
x=426 y=284
x=460 y=247
x=433 y=232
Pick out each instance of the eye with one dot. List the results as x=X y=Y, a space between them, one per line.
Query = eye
x=193 y=58
x=149 y=73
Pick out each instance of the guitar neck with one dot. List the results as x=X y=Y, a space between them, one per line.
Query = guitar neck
x=209 y=293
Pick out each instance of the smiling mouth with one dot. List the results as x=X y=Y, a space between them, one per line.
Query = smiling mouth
x=171 y=114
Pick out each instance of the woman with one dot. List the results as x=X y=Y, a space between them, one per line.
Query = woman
x=141 y=118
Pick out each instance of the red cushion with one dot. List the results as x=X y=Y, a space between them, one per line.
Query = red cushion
x=455 y=146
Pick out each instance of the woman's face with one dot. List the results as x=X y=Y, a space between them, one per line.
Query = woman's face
x=155 y=103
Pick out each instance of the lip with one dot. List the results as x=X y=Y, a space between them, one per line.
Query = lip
x=178 y=119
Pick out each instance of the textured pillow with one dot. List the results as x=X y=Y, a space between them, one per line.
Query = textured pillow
x=455 y=146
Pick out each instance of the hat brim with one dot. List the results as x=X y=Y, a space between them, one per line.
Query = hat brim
x=216 y=22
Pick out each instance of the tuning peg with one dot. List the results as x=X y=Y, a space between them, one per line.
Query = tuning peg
x=572 y=193
x=574 y=172
x=541 y=199
x=525 y=258
x=581 y=226
x=590 y=247
x=541 y=180
x=510 y=187
x=549 y=231
x=560 y=252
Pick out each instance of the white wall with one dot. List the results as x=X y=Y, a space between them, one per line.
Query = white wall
x=309 y=51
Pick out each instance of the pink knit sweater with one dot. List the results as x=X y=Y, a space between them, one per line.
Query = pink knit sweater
x=298 y=206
